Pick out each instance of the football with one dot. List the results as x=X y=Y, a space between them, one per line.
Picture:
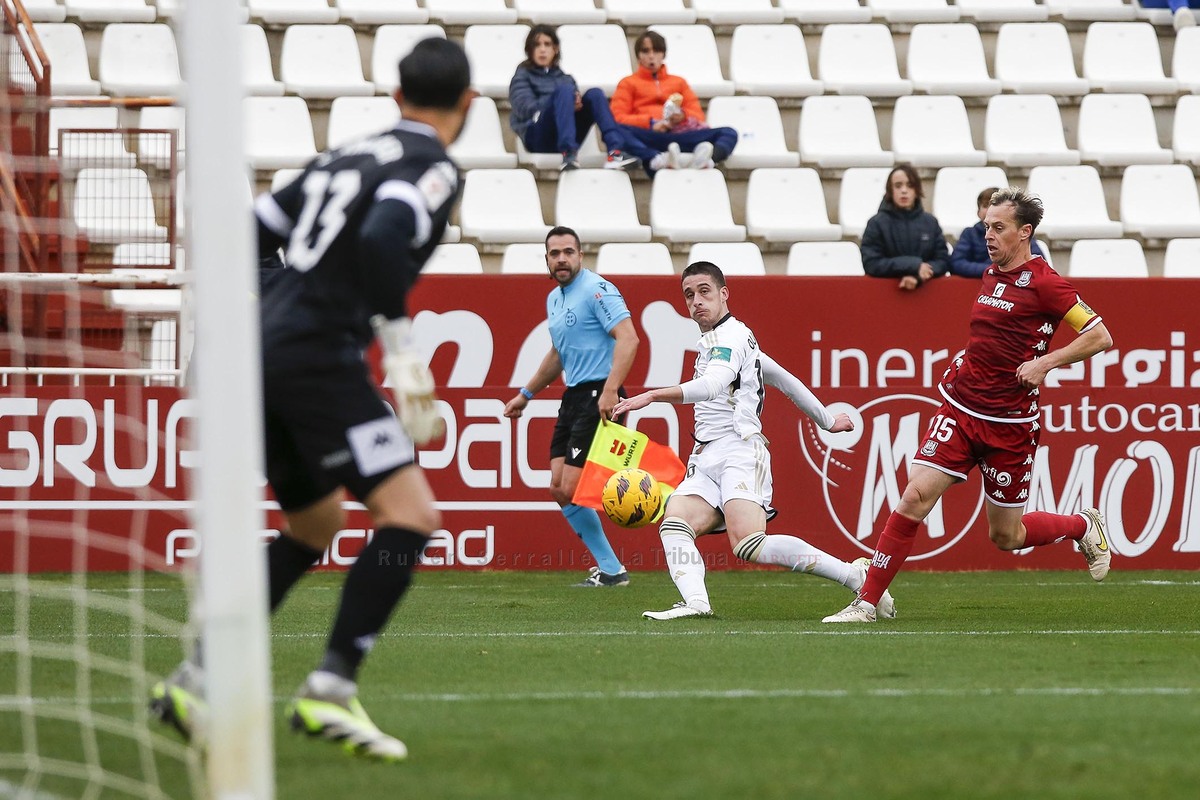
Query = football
x=631 y=497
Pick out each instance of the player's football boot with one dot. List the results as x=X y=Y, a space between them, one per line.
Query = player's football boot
x=1094 y=545
x=886 y=607
x=178 y=701
x=858 y=611
x=597 y=578
x=327 y=706
x=678 y=611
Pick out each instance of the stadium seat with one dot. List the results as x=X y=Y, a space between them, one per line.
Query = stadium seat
x=824 y=12
x=1185 y=64
x=142 y=254
x=452 y=235
x=622 y=258
x=322 y=61
x=352 y=118
x=45 y=10
x=689 y=205
x=590 y=155
x=1091 y=10
x=278 y=131
x=98 y=149
x=560 y=12
x=910 y=11
x=737 y=12
x=1026 y=130
x=151 y=147
x=1052 y=72
x=955 y=190
x=1139 y=67
x=840 y=132
x=63 y=44
x=1074 y=201
x=760 y=131
x=1160 y=202
x=1045 y=248
x=861 y=193
x=453 y=259
x=494 y=52
x=1182 y=259
x=115 y=205
x=1108 y=258
x=1185 y=133
x=771 y=60
x=109 y=11
x=471 y=12
x=502 y=205
x=524 y=258
x=139 y=59
x=1003 y=10
x=948 y=59
x=1118 y=129
x=788 y=205
x=825 y=258
x=693 y=54
x=860 y=60
x=392 y=43
x=599 y=204
x=382 y=12
x=734 y=258
x=933 y=131
x=481 y=143
x=283 y=177
x=636 y=13
x=257 y=74
x=595 y=55
x=173 y=10
x=291 y=12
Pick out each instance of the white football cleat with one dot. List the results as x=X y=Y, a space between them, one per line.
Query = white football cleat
x=327 y=706
x=678 y=611
x=858 y=611
x=1094 y=545
x=887 y=606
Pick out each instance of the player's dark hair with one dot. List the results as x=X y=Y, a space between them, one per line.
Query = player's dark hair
x=1028 y=206
x=704 y=268
x=914 y=180
x=985 y=197
x=657 y=43
x=531 y=43
x=435 y=74
x=563 y=230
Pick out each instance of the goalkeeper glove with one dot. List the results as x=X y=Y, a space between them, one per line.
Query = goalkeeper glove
x=412 y=382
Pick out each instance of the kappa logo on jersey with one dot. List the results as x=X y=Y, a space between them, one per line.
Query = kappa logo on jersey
x=1024 y=278
x=1046 y=329
x=437 y=184
x=721 y=354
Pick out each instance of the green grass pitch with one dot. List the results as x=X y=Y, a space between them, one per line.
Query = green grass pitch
x=516 y=685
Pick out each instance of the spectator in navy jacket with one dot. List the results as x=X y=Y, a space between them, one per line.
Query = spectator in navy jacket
x=902 y=240
x=970 y=258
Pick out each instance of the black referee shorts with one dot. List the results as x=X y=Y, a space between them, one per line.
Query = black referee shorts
x=578 y=417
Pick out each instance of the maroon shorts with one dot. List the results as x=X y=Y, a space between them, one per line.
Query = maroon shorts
x=1003 y=451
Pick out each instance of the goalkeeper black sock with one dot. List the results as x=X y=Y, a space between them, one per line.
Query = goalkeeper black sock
x=372 y=590
x=287 y=561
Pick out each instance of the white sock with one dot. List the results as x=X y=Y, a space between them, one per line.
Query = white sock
x=791 y=552
x=684 y=562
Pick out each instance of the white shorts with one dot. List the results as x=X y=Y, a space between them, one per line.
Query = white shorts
x=727 y=469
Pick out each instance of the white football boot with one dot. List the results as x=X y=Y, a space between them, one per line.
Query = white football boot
x=678 y=611
x=858 y=611
x=886 y=607
x=327 y=706
x=1094 y=545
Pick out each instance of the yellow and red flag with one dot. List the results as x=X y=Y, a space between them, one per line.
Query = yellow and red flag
x=615 y=447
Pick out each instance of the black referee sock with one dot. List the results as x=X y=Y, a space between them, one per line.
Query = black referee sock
x=287 y=561
x=372 y=590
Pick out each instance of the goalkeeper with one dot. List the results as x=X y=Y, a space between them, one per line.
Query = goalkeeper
x=355 y=229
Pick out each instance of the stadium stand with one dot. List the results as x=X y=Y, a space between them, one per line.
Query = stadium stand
x=771 y=60
x=690 y=205
x=860 y=60
x=600 y=205
x=622 y=258
x=841 y=132
x=322 y=61
x=257 y=72
x=734 y=258
x=825 y=258
x=1108 y=258
x=933 y=131
x=788 y=205
x=139 y=59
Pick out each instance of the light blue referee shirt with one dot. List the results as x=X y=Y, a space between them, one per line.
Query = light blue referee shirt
x=582 y=314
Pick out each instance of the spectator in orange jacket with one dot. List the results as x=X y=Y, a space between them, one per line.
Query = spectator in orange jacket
x=661 y=111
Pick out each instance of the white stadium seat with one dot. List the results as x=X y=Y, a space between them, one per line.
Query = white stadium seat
x=600 y=205
x=737 y=12
x=1182 y=259
x=860 y=60
x=1090 y=10
x=1003 y=10
x=909 y=11
x=142 y=254
x=1160 y=202
x=392 y=43
x=257 y=74
x=861 y=193
x=933 y=131
x=955 y=190
x=501 y=205
x=291 y=12
x=45 y=10
x=595 y=55
x=645 y=12
x=494 y=51
x=1026 y=130
x=110 y=10
x=949 y=59
x=139 y=59
x=734 y=258
x=689 y=205
x=788 y=205
x=1118 y=129
x=471 y=12
x=173 y=10
x=278 y=132
x=825 y=258
x=1185 y=133
x=1108 y=258
x=771 y=60
x=353 y=118
x=840 y=132
x=116 y=205
x=1139 y=67
x=382 y=12
x=1185 y=64
x=824 y=12
x=1074 y=202
x=624 y=258
x=151 y=146
x=481 y=143
x=1052 y=72
x=560 y=12
x=524 y=258
x=692 y=52
x=453 y=259
x=63 y=44
x=760 y=131
x=322 y=61
x=88 y=149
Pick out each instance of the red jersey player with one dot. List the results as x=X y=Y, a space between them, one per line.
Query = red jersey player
x=989 y=413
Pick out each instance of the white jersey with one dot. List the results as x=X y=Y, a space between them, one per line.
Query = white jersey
x=736 y=408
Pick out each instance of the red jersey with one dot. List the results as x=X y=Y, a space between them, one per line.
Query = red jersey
x=1012 y=321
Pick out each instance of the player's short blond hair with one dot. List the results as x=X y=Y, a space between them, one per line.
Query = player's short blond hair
x=1029 y=209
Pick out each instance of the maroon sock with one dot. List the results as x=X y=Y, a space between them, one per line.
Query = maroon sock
x=893 y=547
x=1042 y=527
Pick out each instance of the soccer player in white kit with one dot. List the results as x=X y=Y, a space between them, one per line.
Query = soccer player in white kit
x=728 y=481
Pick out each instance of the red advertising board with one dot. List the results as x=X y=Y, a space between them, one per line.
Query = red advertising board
x=1120 y=432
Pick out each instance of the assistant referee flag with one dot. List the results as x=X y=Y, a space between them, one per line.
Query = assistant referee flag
x=616 y=447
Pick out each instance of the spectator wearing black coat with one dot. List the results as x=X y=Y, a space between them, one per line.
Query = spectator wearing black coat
x=902 y=240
